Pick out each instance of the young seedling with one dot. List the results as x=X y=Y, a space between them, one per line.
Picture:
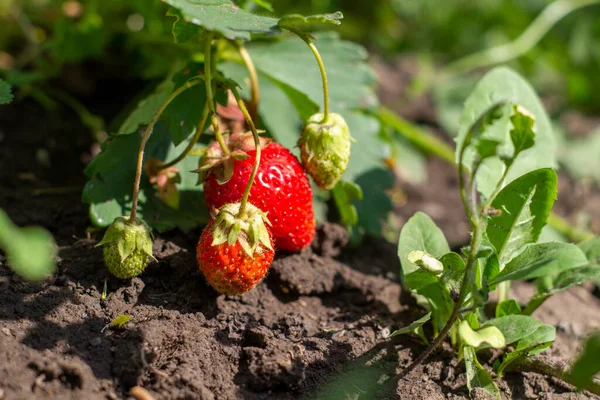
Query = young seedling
x=507 y=195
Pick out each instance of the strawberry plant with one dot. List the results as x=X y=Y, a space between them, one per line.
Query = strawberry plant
x=268 y=61
x=508 y=187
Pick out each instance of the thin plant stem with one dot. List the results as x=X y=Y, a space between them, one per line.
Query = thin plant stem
x=192 y=143
x=551 y=15
x=209 y=92
x=317 y=55
x=146 y=136
x=244 y=201
x=253 y=75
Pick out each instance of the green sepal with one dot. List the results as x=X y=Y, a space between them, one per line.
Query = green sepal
x=249 y=231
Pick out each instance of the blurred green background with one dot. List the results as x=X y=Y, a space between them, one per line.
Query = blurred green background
x=565 y=63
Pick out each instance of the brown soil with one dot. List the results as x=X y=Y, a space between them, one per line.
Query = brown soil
x=314 y=329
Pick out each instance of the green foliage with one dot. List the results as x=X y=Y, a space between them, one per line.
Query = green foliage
x=111 y=175
x=542 y=259
x=30 y=251
x=497 y=87
x=477 y=376
x=588 y=363
x=484 y=337
x=344 y=193
x=6 y=95
x=420 y=233
x=224 y=17
x=502 y=123
x=524 y=206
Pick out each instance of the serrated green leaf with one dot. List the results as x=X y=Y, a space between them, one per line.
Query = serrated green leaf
x=344 y=193
x=111 y=176
x=182 y=30
x=538 y=341
x=508 y=307
x=295 y=21
x=412 y=327
x=224 y=17
x=588 y=363
x=503 y=85
x=477 y=376
x=485 y=337
x=30 y=251
x=524 y=206
x=120 y=321
x=6 y=95
x=515 y=327
x=420 y=233
x=542 y=259
x=233 y=22
x=351 y=80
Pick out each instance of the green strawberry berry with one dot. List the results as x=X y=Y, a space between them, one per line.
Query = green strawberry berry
x=325 y=148
x=127 y=247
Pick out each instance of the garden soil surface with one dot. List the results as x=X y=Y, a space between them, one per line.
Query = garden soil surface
x=315 y=328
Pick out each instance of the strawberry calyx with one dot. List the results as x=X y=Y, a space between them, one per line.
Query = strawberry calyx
x=221 y=164
x=250 y=230
x=128 y=237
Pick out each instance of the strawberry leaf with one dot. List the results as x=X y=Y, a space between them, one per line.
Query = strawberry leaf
x=231 y=21
x=182 y=30
x=111 y=174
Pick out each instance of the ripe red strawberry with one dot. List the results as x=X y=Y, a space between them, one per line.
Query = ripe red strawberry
x=281 y=188
x=234 y=254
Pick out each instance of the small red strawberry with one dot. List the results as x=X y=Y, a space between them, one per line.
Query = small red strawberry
x=234 y=253
x=281 y=188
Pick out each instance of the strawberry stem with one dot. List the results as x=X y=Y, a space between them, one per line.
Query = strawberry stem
x=146 y=135
x=192 y=143
x=242 y=106
x=209 y=92
x=313 y=48
x=254 y=88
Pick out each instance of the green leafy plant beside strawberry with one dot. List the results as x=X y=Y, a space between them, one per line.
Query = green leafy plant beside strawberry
x=257 y=195
x=508 y=187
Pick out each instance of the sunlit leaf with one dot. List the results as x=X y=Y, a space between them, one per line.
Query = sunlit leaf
x=488 y=336
x=542 y=259
x=120 y=321
x=524 y=206
x=420 y=233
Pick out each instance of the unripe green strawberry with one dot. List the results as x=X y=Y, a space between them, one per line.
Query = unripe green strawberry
x=127 y=247
x=325 y=148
